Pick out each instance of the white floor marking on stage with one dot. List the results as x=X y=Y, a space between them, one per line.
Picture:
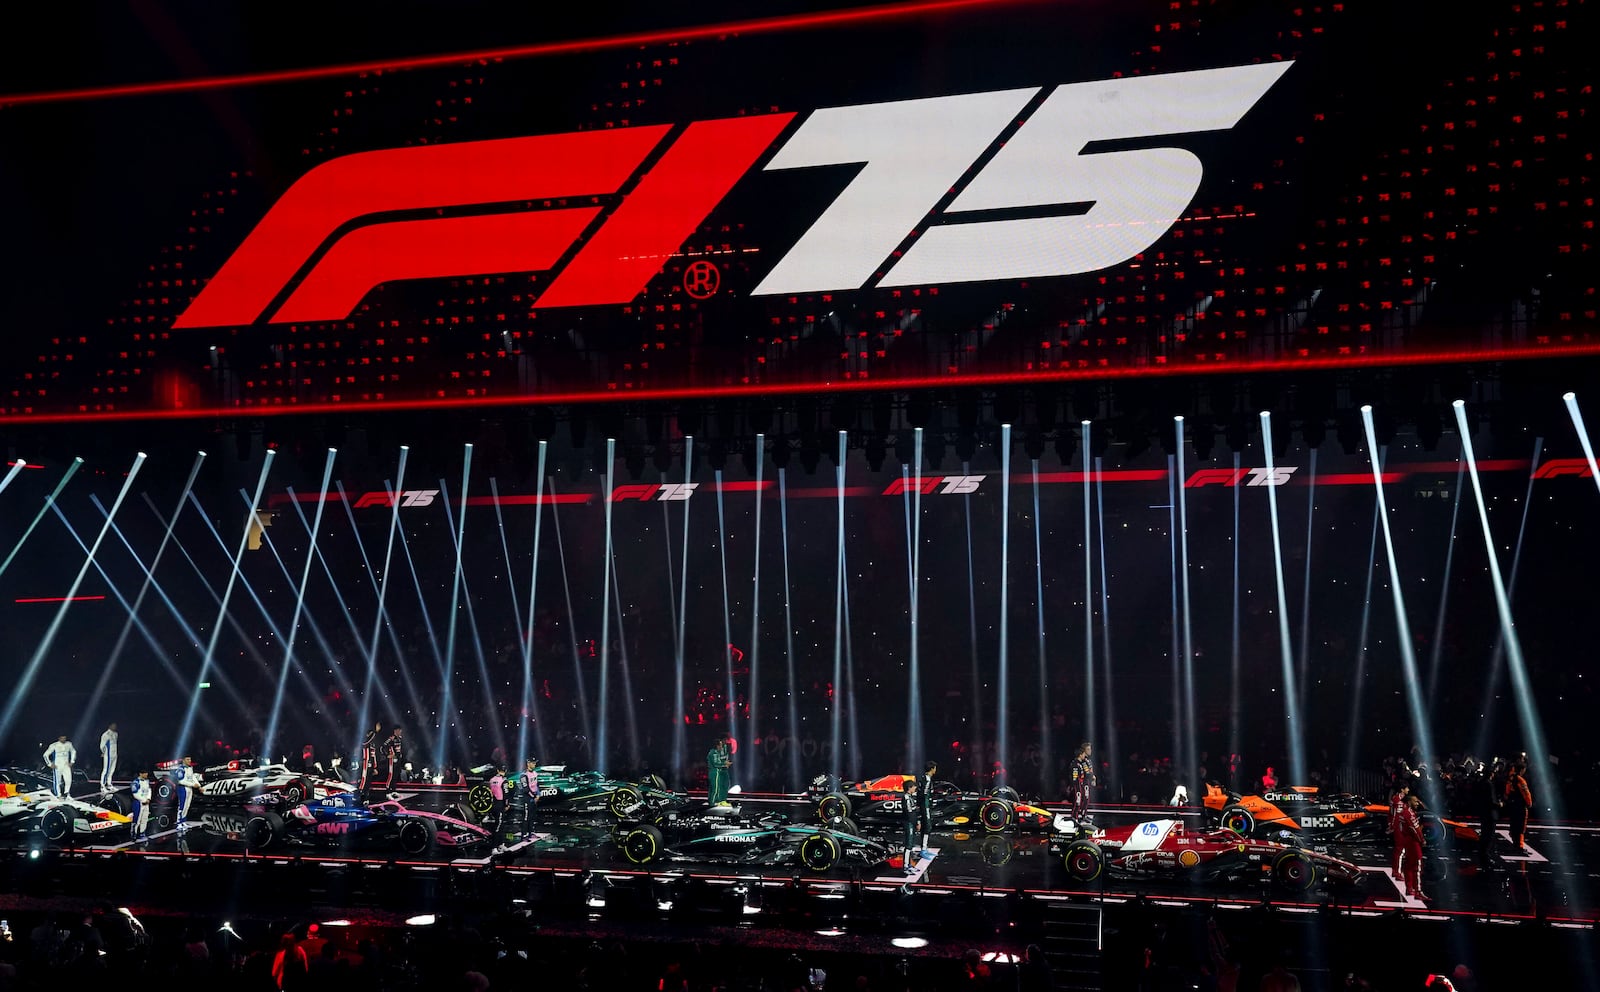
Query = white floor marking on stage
x=1407 y=902
x=1531 y=855
x=916 y=876
x=519 y=845
x=130 y=843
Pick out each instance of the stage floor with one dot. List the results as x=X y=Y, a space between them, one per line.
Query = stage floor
x=1554 y=880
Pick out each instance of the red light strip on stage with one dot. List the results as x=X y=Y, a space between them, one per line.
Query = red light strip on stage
x=24 y=465
x=608 y=394
x=60 y=599
x=763 y=25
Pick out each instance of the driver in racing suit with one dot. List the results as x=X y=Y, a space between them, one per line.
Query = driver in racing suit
x=1082 y=779
x=394 y=751
x=369 y=755
x=108 y=756
x=497 y=789
x=528 y=789
x=141 y=806
x=911 y=815
x=925 y=801
x=188 y=783
x=60 y=756
x=1408 y=846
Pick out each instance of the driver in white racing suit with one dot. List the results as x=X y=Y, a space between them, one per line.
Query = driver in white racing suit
x=141 y=806
x=60 y=756
x=108 y=756
x=188 y=783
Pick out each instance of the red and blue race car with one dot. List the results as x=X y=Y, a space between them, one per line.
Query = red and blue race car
x=344 y=820
x=880 y=801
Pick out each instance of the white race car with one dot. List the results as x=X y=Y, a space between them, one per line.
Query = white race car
x=27 y=803
x=241 y=783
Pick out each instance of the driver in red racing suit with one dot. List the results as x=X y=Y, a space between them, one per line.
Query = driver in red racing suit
x=1408 y=846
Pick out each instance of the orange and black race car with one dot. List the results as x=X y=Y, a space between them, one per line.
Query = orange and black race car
x=1333 y=817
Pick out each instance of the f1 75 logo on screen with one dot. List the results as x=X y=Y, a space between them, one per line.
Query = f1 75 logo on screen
x=911 y=154
x=645 y=491
x=410 y=497
x=1235 y=476
x=929 y=484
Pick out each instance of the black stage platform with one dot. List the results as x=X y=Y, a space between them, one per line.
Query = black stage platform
x=1523 y=886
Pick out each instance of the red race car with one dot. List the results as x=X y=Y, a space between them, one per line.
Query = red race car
x=1165 y=849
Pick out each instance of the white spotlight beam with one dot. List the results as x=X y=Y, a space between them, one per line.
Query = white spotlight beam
x=251 y=522
x=1002 y=722
x=49 y=501
x=1190 y=754
x=270 y=740
x=679 y=741
x=1532 y=729
x=381 y=616
x=1420 y=730
x=1571 y=399
x=1089 y=716
x=1293 y=732
x=16 y=470
x=603 y=753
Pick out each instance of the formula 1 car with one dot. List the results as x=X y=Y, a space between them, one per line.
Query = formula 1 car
x=724 y=835
x=564 y=793
x=28 y=804
x=240 y=783
x=1337 y=818
x=344 y=819
x=880 y=801
x=1164 y=848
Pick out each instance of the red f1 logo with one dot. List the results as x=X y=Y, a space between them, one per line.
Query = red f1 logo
x=911 y=153
x=1557 y=467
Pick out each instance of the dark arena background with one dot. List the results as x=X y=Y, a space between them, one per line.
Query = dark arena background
x=863 y=385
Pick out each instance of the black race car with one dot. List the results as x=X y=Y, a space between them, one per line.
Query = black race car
x=879 y=802
x=724 y=835
x=575 y=794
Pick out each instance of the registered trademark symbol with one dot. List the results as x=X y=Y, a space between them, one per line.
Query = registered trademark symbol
x=701 y=279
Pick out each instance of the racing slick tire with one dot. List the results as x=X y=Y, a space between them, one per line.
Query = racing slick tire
x=263 y=832
x=463 y=812
x=1294 y=870
x=654 y=781
x=417 y=835
x=116 y=802
x=1084 y=861
x=163 y=791
x=833 y=807
x=996 y=815
x=480 y=800
x=845 y=825
x=996 y=851
x=642 y=844
x=624 y=800
x=56 y=825
x=820 y=852
x=1239 y=820
x=1007 y=793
